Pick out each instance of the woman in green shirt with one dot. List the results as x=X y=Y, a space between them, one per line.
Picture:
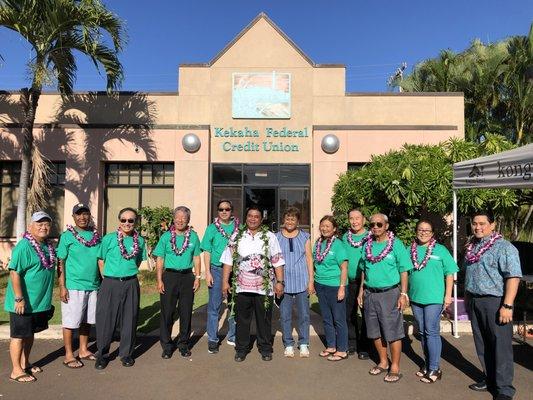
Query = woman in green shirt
x=430 y=291
x=331 y=273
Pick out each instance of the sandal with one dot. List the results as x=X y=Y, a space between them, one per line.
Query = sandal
x=73 y=364
x=20 y=378
x=90 y=357
x=421 y=372
x=396 y=376
x=33 y=369
x=337 y=357
x=432 y=376
x=376 y=370
x=326 y=353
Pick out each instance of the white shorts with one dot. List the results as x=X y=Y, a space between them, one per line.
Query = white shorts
x=81 y=308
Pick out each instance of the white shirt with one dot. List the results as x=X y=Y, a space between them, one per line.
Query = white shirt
x=251 y=262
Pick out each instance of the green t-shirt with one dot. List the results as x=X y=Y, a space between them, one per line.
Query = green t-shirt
x=328 y=272
x=36 y=281
x=354 y=255
x=386 y=272
x=81 y=262
x=173 y=261
x=213 y=242
x=426 y=286
x=114 y=264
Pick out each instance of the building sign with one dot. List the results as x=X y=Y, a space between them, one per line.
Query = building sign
x=261 y=95
x=254 y=140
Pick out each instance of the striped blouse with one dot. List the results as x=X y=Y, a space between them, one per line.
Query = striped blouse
x=295 y=271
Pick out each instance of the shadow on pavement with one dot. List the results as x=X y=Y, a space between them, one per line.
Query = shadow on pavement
x=523 y=355
x=454 y=356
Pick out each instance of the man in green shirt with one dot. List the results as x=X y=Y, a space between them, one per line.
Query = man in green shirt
x=385 y=264
x=79 y=280
x=29 y=294
x=177 y=252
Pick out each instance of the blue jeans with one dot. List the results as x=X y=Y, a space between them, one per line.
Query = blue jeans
x=334 y=316
x=285 y=309
x=213 y=308
x=428 y=320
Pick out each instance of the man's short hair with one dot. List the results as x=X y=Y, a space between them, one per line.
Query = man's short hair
x=133 y=210
x=253 y=207
x=487 y=213
x=383 y=216
x=184 y=210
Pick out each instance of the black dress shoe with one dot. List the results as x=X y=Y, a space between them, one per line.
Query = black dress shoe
x=266 y=357
x=127 y=361
x=166 y=354
x=363 y=355
x=501 y=396
x=185 y=352
x=240 y=357
x=101 y=363
x=479 y=386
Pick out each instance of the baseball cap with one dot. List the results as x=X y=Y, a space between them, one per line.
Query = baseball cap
x=39 y=216
x=80 y=207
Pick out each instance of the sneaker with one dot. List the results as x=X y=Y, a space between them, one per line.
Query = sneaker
x=304 y=351
x=212 y=347
x=230 y=342
x=289 y=352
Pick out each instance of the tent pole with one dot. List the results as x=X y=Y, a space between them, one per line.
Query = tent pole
x=455 y=331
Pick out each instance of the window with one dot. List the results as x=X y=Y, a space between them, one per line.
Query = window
x=354 y=166
x=9 y=182
x=136 y=185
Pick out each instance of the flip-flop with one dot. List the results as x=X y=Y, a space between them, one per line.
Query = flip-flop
x=33 y=369
x=325 y=353
x=395 y=375
x=70 y=364
x=90 y=357
x=337 y=357
x=377 y=370
x=18 y=379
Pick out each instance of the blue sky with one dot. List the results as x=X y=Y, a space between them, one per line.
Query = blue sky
x=370 y=37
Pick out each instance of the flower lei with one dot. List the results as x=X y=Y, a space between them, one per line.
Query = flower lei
x=472 y=257
x=223 y=232
x=353 y=243
x=267 y=266
x=185 y=243
x=384 y=253
x=414 y=254
x=88 y=243
x=123 y=251
x=47 y=262
x=319 y=257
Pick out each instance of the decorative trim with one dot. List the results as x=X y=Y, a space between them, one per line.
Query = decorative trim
x=405 y=94
x=385 y=127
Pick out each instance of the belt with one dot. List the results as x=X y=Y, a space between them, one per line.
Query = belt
x=380 y=290
x=480 y=296
x=120 y=278
x=179 y=271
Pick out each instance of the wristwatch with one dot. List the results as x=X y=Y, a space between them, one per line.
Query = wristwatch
x=507 y=306
x=19 y=299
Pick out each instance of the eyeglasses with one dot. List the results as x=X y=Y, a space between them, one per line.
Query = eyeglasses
x=378 y=224
x=129 y=220
x=224 y=209
x=424 y=231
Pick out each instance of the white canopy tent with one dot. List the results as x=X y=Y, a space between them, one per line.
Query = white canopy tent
x=509 y=169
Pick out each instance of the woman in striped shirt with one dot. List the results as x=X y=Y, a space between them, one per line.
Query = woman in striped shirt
x=299 y=284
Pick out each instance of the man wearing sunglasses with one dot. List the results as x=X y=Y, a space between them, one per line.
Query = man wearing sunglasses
x=385 y=264
x=213 y=244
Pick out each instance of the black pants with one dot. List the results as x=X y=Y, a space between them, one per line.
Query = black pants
x=493 y=342
x=247 y=304
x=357 y=339
x=117 y=306
x=178 y=286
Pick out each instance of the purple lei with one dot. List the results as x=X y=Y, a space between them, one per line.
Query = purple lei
x=414 y=254
x=353 y=243
x=383 y=254
x=48 y=263
x=88 y=243
x=185 y=244
x=223 y=232
x=123 y=251
x=472 y=257
x=319 y=257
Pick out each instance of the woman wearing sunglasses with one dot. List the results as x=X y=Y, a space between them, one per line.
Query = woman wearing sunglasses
x=117 y=304
x=215 y=240
x=430 y=291
x=331 y=275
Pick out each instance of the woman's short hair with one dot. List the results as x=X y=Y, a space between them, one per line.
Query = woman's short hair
x=331 y=219
x=184 y=210
x=425 y=221
x=225 y=201
x=291 y=212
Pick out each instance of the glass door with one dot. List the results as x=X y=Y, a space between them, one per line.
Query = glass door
x=266 y=200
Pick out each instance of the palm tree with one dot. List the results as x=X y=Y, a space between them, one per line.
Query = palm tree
x=55 y=29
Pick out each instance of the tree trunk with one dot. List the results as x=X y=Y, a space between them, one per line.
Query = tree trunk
x=526 y=220
x=29 y=99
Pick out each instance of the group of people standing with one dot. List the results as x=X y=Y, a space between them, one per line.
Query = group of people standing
x=253 y=269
